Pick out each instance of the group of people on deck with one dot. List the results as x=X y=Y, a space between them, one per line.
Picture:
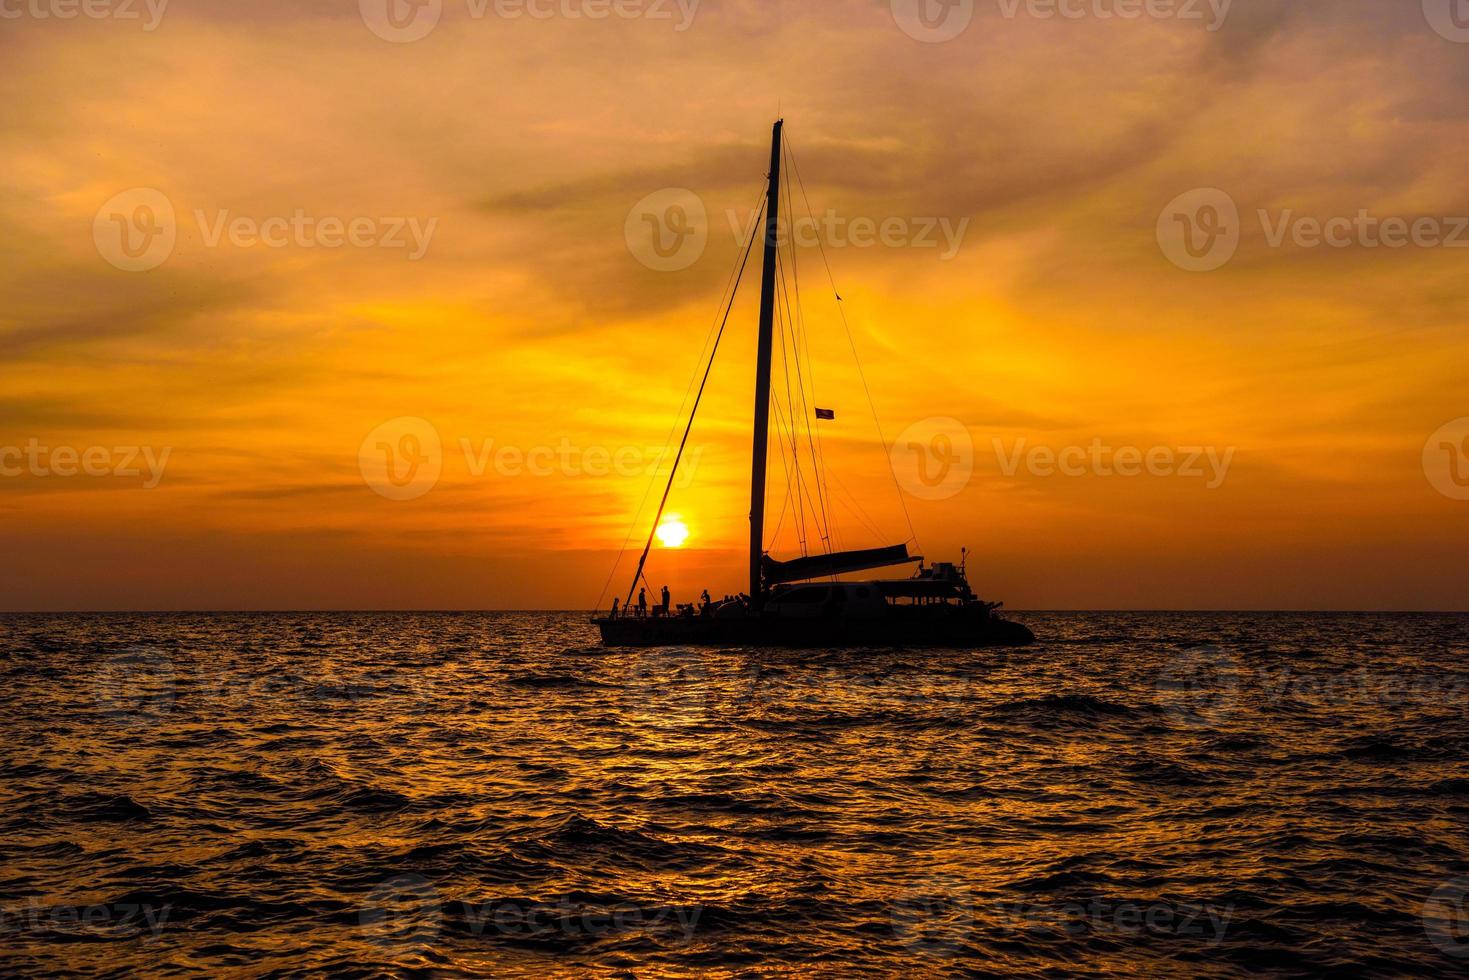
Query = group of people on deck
x=642 y=607
x=640 y=611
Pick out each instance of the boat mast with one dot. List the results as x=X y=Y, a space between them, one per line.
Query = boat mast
x=762 y=371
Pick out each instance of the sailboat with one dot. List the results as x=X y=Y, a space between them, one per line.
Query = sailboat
x=801 y=602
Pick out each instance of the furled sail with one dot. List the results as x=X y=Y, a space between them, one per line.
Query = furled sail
x=836 y=563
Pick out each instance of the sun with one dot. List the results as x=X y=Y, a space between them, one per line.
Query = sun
x=672 y=533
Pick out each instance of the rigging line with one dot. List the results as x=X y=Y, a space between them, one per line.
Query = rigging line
x=802 y=536
x=735 y=271
x=693 y=414
x=799 y=332
x=785 y=366
x=866 y=527
x=818 y=509
x=785 y=502
x=818 y=460
x=787 y=499
x=853 y=505
x=817 y=513
x=817 y=464
x=824 y=522
x=818 y=451
x=902 y=502
x=795 y=267
x=856 y=506
x=813 y=430
x=803 y=483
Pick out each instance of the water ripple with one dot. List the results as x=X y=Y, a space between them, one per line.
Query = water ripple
x=495 y=795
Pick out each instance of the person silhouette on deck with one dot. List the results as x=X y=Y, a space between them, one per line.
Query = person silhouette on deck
x=706 y=603
x=642 y=603
x=615 y=600
x=665 y=600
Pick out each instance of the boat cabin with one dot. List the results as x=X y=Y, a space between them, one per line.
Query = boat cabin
x=821 y=600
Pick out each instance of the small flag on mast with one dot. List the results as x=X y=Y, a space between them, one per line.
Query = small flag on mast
x=826 y=413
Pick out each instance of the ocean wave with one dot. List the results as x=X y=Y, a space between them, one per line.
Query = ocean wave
x=376 y=794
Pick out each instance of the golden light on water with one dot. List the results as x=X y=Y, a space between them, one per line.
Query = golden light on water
x=672 y=532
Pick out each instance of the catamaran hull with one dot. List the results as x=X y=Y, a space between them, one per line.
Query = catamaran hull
x=953 y=629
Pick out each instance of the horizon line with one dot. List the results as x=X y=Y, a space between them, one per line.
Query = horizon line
x=463 y=611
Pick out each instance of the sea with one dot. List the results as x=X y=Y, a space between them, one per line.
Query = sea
x=493 y=794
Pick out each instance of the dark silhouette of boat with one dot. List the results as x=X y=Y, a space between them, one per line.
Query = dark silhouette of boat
x=786 y=605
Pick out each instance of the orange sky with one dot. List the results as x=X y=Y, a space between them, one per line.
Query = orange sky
x=518 y=150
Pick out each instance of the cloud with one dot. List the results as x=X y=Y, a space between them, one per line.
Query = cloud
x=529 y=319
